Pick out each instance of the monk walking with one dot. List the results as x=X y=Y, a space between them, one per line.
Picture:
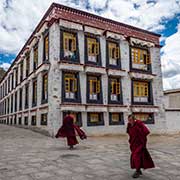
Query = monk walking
x=140 y=157
x=68 y=130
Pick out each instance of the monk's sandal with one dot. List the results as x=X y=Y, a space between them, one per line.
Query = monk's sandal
x=136 y=174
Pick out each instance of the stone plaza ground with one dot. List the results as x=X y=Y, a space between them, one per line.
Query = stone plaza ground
x=26 y=155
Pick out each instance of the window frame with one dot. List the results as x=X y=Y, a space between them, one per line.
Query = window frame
x=120 y=96
x=26 y=123
x=113 y=41
x=26 y=99
x=147 y=121
x=43 y=92
x=99 y=95
x=150 y=94
x=20 y=98
x=101 y=117
x=97 y=38
x=32 y=120
x=46 y=35
x=27 y=63
x=35 y=63
x=149 y=66
x=77 y=98
x=34 y=101
x=75 y=33
x=42 y=123
x=121 y=118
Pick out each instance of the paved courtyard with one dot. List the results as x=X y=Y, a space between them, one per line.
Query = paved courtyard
x=26 y=155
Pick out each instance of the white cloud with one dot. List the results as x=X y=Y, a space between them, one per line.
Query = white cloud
x=171 y=61
x=5 y=66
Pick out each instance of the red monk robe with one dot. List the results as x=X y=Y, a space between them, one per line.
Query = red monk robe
x=68 y=130
x=140 y=157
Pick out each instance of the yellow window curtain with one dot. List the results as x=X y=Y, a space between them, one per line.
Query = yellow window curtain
x=69 y=42
x=140 y=89
x=114 y=51
x=70 y=83
x=93 y=47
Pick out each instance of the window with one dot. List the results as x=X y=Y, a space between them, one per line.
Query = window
x=8 y=105
x=11 y=121
x=33 y=120
x=95 y=119
x=35 y=64
x=9 y=83
x=20 y=99
x=140 y=59
x=46 y=48
x=7 y=120
x=12 y=81
x=15 y=120
x=147 y=118
x=115 y=90
x=94 y=88
x=15 y=106
x=16 y=72
x=34 y=93
x=21 y=71
x=44 y=119
x=69 y=45
x=12 y=103
x=71 y=89
x=45 y=88
x=93 y=50
x=27 y=63
x=116 y=118
x=26 y=96
x=26 y=121
x=76 y=117
x=141 y=92
x=20 y=121
x=113 y=54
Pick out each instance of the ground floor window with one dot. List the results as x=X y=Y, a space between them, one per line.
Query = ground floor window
x=95 y=119
x=44 y=119
x=147 y=118
x=76 y=117
x=15 y=120
x=26 y=121
x=116 y=118
x=33 y=121
x=20 y=121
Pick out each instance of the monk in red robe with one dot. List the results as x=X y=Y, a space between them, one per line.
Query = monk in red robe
x=68 y=130
x=140 y=157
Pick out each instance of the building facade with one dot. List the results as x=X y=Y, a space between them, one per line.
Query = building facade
x=100 y=69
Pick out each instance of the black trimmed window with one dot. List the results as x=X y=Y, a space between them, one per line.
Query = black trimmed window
x=11 y=121
x=76 y=117
x=71 y=87
x=26 y=120
x=95 y=119
x=16 y=74
x=34 y=93
x=7 y=120
x=116 y=118
x=33 y=120
x=26 y=104
x=12 y=81
x=21 y=71
x=147 y=118
x=35 y=57
x=44 y=119
x=15 y=119
x=92 y=50
x=20 y=121
x=45 y=88
x=9 y=83
x=20 y=99
x=113 y=54
x=142 y=92
x=12 y=103
x=115 y=91
x=94 y=89
x=46 y=47
x=15 y=106
x=140 y=59
x=8 y=105
x=27 y=63
x=69 y=45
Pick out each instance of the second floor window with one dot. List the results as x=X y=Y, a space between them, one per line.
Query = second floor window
x=15 y=106
x=69 y=44
x=93 y=50
x=113 y=54
x=16 y=72
x=45 y=88
x=21 y=71
x=115 y=90
x=34 y=93
x=35 y=60
x=46 y=48
x=27 y=64
x=141 y=92
x=140 y=59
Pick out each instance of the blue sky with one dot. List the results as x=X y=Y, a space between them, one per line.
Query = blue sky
x=160 y=16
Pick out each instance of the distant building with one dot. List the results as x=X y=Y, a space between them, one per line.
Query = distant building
x=100 y=69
